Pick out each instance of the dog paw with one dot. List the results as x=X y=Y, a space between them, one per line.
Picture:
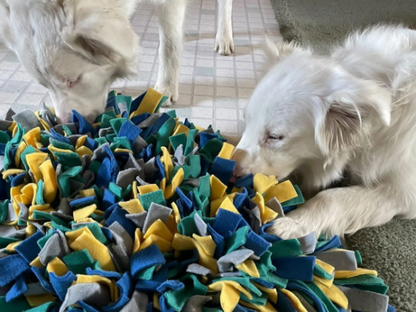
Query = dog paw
x=224 y=44
x=287 y=228
x=170 y=91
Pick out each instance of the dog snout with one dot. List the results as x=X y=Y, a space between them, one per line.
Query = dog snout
x=238 y=156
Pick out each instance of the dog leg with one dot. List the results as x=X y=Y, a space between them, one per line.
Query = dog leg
x=224 y=43
x=342 y=211
x=171 y=18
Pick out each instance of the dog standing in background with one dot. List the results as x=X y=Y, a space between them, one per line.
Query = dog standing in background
x=77 y=48
x=314 y=118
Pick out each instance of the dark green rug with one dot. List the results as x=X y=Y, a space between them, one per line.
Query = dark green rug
x=322 y=23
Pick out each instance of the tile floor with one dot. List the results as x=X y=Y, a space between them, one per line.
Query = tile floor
x=214 y=89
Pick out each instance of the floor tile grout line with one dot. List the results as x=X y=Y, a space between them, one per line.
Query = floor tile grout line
x=24 y=89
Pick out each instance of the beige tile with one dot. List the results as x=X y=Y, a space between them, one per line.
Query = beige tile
x=201 y=112
x=8 y=98
x=226 y=113
x=30 y=99
x=226 y=126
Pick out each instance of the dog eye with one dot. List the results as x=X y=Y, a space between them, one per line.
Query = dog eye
x=276 y=137
x=71 y=83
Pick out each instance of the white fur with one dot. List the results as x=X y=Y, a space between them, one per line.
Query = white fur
x=314 y=118
x=224 y=43
x=77 y=48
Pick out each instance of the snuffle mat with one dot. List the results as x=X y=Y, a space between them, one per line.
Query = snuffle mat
x=137 y=213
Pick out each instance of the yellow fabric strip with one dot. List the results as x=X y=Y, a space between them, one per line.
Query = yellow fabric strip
x=349 y=274
x=262 y=182
x=144 y=189
x=206 y=243
x=149 y=102
x=230 y=293
x=217 y=188
x=176 y=182
x=57 y=266
x=84 y=212
x=97 y=250
x=132 y=206
x=34 y=161
x=86 y=279
x=32 y=136
x=294 y=300
x=283 y=192
x=35 y=301
x=49 y=179
x=335 y=295
x=249 y=267
x=226 y=151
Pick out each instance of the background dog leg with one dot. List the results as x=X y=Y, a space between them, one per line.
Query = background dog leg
x=342 y=211
x=171 y=18
x=224 y=43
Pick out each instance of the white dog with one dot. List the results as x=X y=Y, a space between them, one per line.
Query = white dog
x=77 y=48
x=314 y=118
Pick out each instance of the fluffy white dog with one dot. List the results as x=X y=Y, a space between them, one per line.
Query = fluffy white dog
x=316 y=118
x=77 y=48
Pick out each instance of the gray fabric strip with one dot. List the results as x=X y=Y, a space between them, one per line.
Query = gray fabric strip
x=226 y=263
x=200 y=225
x=132 y=163
x=276 y=206
x=24 y=212
x=85 y=161
x=9 y=115
x=11 y=215
x=230 y=274
x=104 y=131
x=126 y=177
x=27 y=119
x=90 y=293
x=64 y=207
x=195 y=303
x=363 y=300
x=63 y=216
x=180 y=158
x=341 y=260
x=119 y=256
x=122 y=238
x=155 y=213
x=89 y=178
x=7 y=230
x=71 y=126
x=139 y=143
x=198 y=269
x=4 y=125
x=35 y=289
x=99 y=152
x=149 y=168
x=149 y=121
x=138 y=218
x=1 y=163
x=39 y=226
x=55 y=246
x=308 y=243
x=137 y=303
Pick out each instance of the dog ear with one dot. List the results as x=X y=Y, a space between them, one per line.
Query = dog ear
x=276 y=51
x=349 y=109
x=101 y=34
